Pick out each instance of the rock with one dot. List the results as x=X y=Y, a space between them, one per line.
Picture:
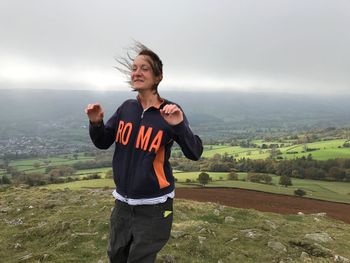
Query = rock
x=232 y=239
x=14 y=222
x=201 y=239
x=203 y=230
x=271 y=224
x=177 y=234
x=229 y=219
x=216 y=212
x=4 y=210
x=62 y=244
x=26 y=257
x=17 y=245
x=277 y=246
x=304 y=257
x=319 y=214
x=250 y=233
x=100 y=261
x=30 y=207
x=317 y=219
x=313 y=249
x=104 y=237
x=319 y=237
x=341 y=259
x=300 y=213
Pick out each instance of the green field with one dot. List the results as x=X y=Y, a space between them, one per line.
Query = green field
x=100 y=171
x=77 y=185
x=38 y=165
x=331 y=191
x=327 y=150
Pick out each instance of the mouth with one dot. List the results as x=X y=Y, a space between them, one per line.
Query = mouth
x=137 y=80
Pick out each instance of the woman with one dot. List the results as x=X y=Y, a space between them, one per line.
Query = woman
x=144 y=130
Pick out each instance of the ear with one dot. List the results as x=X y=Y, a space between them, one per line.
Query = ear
x=159 y=79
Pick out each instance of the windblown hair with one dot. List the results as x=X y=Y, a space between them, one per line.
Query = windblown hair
x=126 y=63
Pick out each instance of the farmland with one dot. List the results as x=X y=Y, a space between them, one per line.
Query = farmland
x=324 y=150
x=321 y=150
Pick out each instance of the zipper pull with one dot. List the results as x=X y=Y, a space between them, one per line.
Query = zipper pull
x=143 y=113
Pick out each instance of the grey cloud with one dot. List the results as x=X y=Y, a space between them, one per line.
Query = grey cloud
x=282 y=41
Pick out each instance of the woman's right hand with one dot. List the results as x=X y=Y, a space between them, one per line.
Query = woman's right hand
x=94 y=113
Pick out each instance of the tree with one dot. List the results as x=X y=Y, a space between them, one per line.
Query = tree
x=5 y=180
x=285 y=180
x=337 y=173
x=203 y=178
x=267 y=179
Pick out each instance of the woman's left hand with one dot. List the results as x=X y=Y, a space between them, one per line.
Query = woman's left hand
x=172 y=114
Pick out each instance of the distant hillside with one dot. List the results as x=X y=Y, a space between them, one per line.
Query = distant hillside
x=211 y=115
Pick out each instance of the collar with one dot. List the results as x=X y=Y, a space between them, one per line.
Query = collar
x=159 y=106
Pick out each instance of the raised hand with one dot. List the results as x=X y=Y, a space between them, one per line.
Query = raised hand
x=94 y=112
x=172 y=114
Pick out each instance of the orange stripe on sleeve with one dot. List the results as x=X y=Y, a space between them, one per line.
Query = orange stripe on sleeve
x=158 y=165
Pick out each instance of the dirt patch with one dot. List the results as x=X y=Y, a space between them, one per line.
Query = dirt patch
x=265 y=202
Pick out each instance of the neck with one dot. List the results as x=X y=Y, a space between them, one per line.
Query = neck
x=148 y=98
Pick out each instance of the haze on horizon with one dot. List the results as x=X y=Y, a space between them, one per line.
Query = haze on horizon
x=244 y=45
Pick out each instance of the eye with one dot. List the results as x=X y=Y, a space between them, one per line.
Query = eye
x=145 y=68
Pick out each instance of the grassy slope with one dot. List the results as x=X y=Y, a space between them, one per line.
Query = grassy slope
x=72 y=226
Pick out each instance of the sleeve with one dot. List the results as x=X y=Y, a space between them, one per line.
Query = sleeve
x=191 y=145
x=103 y=135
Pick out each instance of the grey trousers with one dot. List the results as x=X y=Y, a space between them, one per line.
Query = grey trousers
x=138 y=233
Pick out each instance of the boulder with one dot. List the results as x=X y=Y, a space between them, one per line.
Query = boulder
x=319 y=237
x=341 y=259
x=229 y=219
x=277 y=246
x=305 y=257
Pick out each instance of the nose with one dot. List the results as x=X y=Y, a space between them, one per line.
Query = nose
x=137 y=71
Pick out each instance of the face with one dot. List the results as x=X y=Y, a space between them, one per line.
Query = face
x=142 y=76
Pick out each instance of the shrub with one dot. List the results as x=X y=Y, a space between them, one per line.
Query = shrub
x=203 y=178
x=232 y=176
x=285 y=180
x=299 y=192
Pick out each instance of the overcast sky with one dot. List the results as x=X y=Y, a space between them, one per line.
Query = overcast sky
x=297 y=46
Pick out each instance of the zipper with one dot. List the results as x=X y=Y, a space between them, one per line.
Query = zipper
x=143 y=112
x=129 y=179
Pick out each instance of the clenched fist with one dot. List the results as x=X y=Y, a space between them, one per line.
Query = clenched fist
x=94 y=113
x=172 y=114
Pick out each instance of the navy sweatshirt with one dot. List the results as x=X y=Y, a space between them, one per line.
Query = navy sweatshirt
x=143 y=141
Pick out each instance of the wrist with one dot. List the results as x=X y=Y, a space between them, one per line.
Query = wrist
x=96 y=124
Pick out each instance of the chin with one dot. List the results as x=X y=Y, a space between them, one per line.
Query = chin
x=141 y=88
